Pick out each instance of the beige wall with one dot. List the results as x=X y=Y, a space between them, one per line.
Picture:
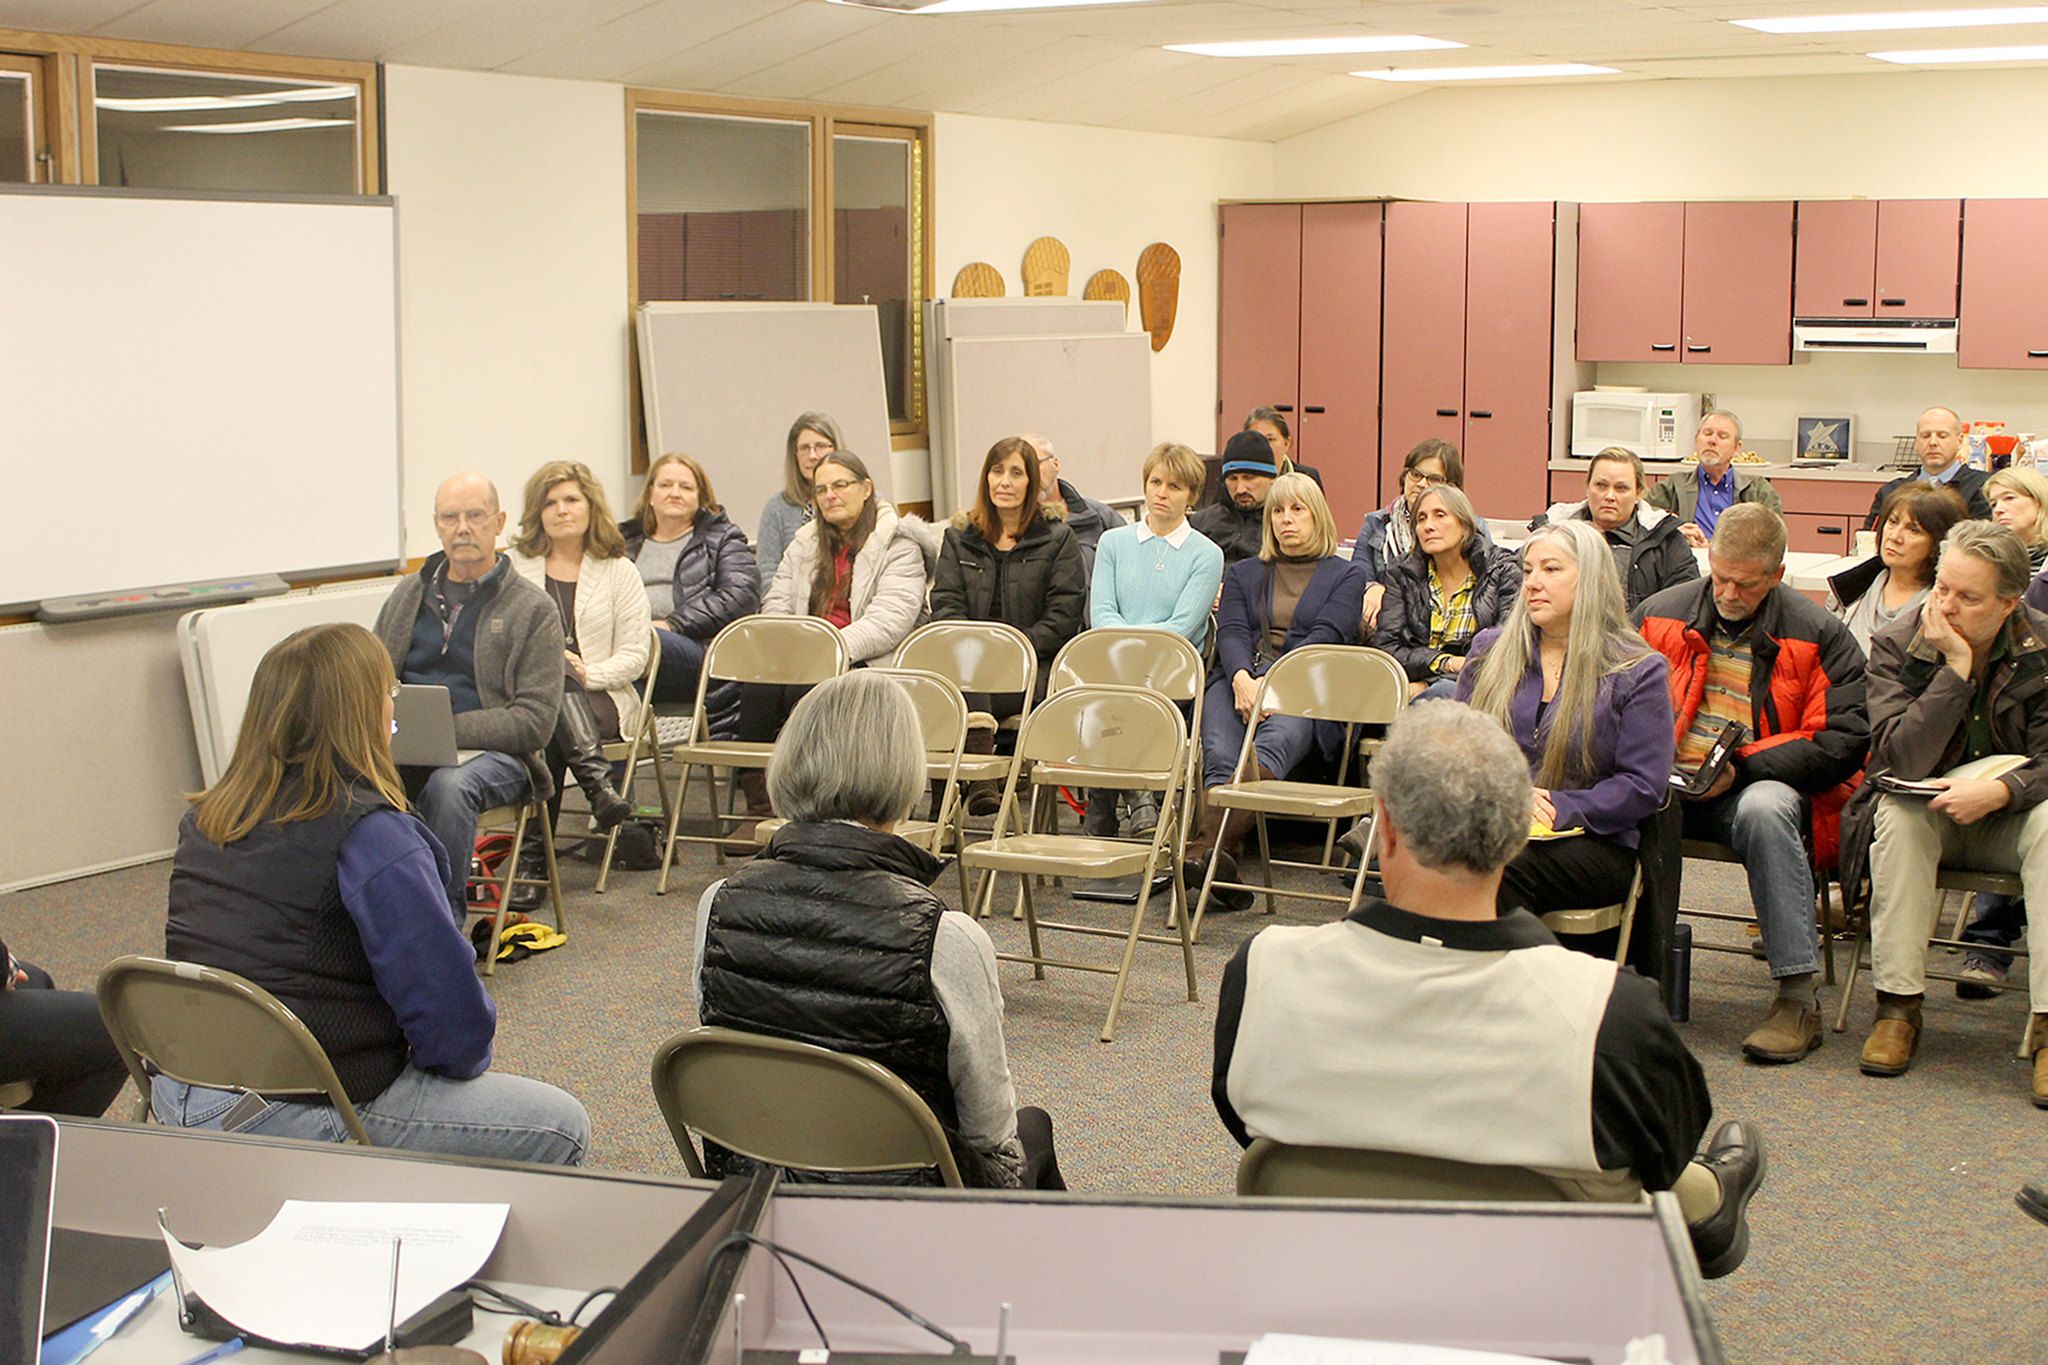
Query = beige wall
x=1107 y=194
x=512 y=258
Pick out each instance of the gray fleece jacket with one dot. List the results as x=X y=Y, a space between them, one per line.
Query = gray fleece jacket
x=519 y=663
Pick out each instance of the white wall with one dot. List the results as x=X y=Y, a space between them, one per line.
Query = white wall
x=1897 y=134
x=512 y=258
x=1107 y=194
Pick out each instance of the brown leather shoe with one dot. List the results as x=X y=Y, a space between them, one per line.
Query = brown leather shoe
x=1790 y=1031
x=1888 y=1051
x=2037 y=1044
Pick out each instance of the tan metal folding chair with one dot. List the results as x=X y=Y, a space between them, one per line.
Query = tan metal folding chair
x=791 y=651
x=1141 y=656
x=1127 y=738
x=212 y=1028
x=1275 y=1169
x=640 y=748
x=792 y=1104
x=1711 y=851
x=15 y=1094
x=517 y=820
x=989 y=657
x=1599 y=919
x=1348 y=684
x=1972 y=883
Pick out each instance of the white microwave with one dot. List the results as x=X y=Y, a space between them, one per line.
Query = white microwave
x=1653 y=426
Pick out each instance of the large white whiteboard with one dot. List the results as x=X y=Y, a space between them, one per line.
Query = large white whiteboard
x=723 y=381
x=195 y=387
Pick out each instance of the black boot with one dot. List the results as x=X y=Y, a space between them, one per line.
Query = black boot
x=582 y=751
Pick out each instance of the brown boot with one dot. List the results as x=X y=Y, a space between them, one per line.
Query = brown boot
x=740 y=839
x=1208 y=831
x=1790 y=1031
x=983 y=798
x=2037 y=1048
x=1888 y=1051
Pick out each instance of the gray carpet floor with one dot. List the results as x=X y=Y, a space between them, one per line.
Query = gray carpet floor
x=1886 y=1230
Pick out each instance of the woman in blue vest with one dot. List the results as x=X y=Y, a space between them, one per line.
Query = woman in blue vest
x=834 y=937
x=302 y=870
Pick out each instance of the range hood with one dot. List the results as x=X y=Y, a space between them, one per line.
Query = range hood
x=1907 y=336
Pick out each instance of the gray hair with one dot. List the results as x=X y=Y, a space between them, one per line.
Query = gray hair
x=1733 y=421
x=1457 y=504
x=851 y=750
x=1751 y=533
x=795 y=486
x=1456 y=786
x=1999 y=546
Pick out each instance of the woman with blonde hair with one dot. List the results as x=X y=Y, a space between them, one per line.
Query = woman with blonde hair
x=303 y=871
x=698 y=571
x=569 y=547
x=1589 y=703
x=2019 y=499
x=812 y=436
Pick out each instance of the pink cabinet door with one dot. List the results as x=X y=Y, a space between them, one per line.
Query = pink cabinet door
x=1337 y=427
x=2004 y=319
x=1510 y=261
x=1258 y=313
x=1738 y=284
x=1422 y=370
x=1631 y=277
x=1918 y=241
x=1836 y=260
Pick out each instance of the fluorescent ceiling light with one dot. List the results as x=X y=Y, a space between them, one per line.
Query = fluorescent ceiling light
x=1314 y=47
x=1878 y=23
x=184 y=104
x=2036 y=53
x=269 y=125
x=977 y=6
x=1485 y=73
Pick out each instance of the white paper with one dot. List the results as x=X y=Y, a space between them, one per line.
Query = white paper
x=1280 y=1348
x=320 y=1274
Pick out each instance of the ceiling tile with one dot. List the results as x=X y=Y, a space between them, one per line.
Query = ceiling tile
x=970 y=51
x=364 y=30
x=64 y=16
x=708 y=64
x=983 y=93
x=507 y=31
x=608 y=51
x=211 y=23
x=803 y=74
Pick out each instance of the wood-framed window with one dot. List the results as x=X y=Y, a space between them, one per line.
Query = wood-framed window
x=153 y=115
x=767 y=200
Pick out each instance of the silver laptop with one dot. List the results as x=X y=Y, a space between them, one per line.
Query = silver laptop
x=423 y=736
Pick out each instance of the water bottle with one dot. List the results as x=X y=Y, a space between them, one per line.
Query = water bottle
x=1678 y=975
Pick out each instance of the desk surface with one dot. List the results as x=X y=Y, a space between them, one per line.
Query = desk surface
x=1090 y=1278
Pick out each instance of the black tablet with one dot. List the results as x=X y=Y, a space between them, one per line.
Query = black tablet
x=28 y=1191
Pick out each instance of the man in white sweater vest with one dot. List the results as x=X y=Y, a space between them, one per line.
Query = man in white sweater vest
x=1428 y=1024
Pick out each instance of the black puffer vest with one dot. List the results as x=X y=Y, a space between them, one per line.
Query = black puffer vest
x=268 y=907
x=826 y=938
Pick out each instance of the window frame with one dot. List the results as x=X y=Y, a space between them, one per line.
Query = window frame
x=73 y=121
x=825 y=122
x=36 y=70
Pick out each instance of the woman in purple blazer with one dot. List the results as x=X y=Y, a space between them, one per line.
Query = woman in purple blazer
x=1590 y=705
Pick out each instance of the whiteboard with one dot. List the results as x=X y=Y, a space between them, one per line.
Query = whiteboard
x=220 y=647
x=195 y=387
x=723 y=381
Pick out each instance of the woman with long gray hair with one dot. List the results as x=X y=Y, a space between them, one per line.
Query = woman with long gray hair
x=833 y=935
x=1589 y=703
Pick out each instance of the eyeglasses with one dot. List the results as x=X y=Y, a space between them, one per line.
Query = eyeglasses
x=815 y=447
x=1426 y=480
x=836 y=487
x=471 y=518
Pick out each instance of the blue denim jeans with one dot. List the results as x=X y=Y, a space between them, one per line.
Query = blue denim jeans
x=508 y=1118
x=1763 y=822
x=681 y=658
x=450 y=800
x=1440 y=689
x=1996 y=922
x=1283 y=742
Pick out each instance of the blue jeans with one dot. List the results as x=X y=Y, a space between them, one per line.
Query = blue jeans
x=1283 y=742
x=682 y=657
x=1764 y=823
x=450 y=800
x=1996 y=922
x=1441 y=689
x=507 y=1118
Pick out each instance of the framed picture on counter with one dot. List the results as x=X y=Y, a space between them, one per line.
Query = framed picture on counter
x=1825 y=438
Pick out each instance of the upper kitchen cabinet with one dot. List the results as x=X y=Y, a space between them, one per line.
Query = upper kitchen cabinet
x=2004 y=317
x=1865 y=258
x=1705 y=283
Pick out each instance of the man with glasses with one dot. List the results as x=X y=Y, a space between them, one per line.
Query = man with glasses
x=1086 y=517
x=466 y=622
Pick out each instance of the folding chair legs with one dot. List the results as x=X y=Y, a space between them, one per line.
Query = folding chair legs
x=510 y=878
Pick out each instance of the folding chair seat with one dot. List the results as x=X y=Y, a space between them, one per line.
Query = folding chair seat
x=1972 y=883
x=1350 y=685
x=792 y=651
x=1711 y=851
x=1126 y=738
x=795 y=1105
x=1277 y=1169
x=1140 y=656
x=212 y=1028
x=1599 y=919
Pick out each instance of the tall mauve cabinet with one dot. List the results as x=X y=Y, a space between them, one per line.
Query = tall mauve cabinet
x=1298 y=329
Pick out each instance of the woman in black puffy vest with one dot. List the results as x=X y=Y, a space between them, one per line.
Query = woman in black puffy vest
x=834 y=937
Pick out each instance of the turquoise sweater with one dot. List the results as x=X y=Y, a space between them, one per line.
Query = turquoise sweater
x=1153 y=584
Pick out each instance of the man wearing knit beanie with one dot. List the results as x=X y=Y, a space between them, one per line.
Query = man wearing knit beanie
x=1237 y=521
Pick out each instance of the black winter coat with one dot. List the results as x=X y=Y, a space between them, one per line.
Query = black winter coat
x=1039 y=585
x=717 y=581
x=1403 y=627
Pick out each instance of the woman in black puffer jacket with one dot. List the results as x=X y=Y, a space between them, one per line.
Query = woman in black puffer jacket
x=1416 y=624
x=700 y=575
x=834 y=937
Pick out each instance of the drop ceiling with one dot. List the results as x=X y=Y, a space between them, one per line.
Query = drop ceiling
x=1100 y=66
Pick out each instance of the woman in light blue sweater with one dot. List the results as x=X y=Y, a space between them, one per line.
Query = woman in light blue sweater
x=1159 y=572
x=812 y=437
